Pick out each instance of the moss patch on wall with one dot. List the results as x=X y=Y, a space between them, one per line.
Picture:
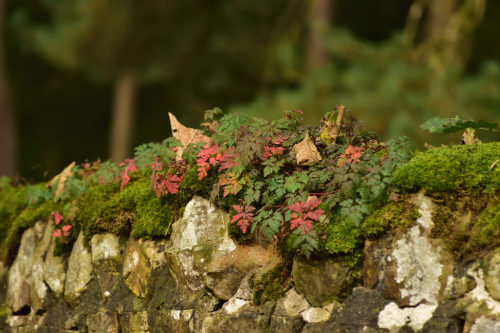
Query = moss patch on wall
x=470 y=223
x=135 y=209
x=16 y=215
x=272 y=285
x=451 y=168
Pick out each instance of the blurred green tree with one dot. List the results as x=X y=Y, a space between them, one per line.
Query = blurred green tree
x=396 y=84
x=133 y=42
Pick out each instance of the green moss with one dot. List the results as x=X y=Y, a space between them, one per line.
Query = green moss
x=103 y=208
x=12 y=201
x=466 y=223
x=271 y=285
x=487 y=228
x=152 y=216
x=191 y=186
x=451 y=168
x=391 y=216
x=15 y=217
x=97 y=210
x=29 y=217
x=344 y=237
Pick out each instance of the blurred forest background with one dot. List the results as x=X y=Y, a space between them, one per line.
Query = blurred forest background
x=88 y=79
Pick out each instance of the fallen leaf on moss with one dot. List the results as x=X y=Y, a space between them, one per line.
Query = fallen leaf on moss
x=306 y=152
x=469 y=137
x=65 y=174
x=185 y=135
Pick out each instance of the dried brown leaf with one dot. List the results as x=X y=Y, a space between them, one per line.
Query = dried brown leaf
x=65 y=174
x=185 y=135
x=469 y=137
x=306 y=152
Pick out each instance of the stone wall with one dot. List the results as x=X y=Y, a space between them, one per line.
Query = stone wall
x=200 y=280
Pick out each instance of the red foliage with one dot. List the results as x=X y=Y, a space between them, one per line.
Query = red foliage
x=273 y=147
x=305 y=213
x=351 y=155
x=209 y=155
x=244 y=216
x=57 y=217
x=230 y=185
x=228 y=159
x=62 y=231
x=162 y=184
x=130 y=167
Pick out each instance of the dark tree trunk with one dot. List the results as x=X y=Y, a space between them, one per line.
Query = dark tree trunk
x=320 y=14
x=122 y=118
x=7 y=124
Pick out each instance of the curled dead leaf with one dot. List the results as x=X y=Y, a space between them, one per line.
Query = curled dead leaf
x=185 y=135
x=65 y=174
x=306 y=152
x=469 y=137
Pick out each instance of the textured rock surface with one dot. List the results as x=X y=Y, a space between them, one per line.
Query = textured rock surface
x=136 y=269
x=201 y=253
x=492 y=280
x=331 y=279
x=20 y=278
x=201 y=281
x=38 y=287
x=79 y=271
x=54 y=271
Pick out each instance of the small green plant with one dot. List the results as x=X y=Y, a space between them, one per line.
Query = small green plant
x=443 y=125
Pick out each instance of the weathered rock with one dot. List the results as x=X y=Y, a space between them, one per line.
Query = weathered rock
x=139 y=322
x=136 y=269
x=478 y=301
x=291 y=305
x=103 y=321
x=417 y=267
x=447 y=318
x=201 y=252
x=374 y=260
x=79 y=271
x=492 y=275
x=54 y=271
x=154 y=251
x=360 y=311
x=457 y=287
x=38 y=287
x=393 y=318
x=105 y=247
x=331 y=279
x=483 y=325
x=239 y=317
x=20 y=279
x=316 y=315
x=174 y=321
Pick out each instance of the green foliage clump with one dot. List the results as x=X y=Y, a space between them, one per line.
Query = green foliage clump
x=271 y=285
x=12 y=201
x=191 y=185
x=104 y=208
x=97 y=211
x=391 y=216
x=153 y=215
x=451 y=168
x=344 y=237
x=17 y=213
x=487 y=228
